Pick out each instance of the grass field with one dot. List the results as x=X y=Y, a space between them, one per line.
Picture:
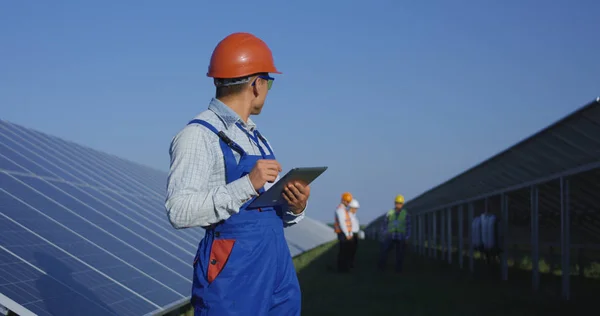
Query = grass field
x=429 y=287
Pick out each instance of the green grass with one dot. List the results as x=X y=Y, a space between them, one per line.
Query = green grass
x=362 y=227
x=303 y=261
x=428 y=287
x=548 y=263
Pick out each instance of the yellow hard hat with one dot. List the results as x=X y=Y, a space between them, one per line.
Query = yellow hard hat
x=399 y=199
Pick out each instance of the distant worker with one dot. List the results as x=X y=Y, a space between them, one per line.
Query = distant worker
x=343 y=228
x=476 y=236
x=219 y=164
x=490 y=236
x=395 y=231
x=352 y=208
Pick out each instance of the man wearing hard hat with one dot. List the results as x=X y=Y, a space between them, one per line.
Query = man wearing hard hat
x=343 y=228
x=219 y=164
x=352 y=208
x=396 y=232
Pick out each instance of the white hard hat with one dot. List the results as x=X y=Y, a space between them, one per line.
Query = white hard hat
x=354 y=204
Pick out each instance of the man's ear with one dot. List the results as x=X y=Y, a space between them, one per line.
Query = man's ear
x=255 y=89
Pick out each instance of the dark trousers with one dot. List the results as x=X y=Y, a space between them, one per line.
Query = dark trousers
x=354 y=247
x=345 y=249
x=386 y=246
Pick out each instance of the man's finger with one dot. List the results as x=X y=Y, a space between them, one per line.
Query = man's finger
x=303 y=188
x=298 y=195
x=285 y=197
x=271 y=167
x=269 y=163
x=271 y=173
x=272 y=162
x=299 y=184
x=289 y=196
x=295 y=197
x=294 y=189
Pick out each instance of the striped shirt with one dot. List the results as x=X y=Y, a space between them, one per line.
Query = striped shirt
x=197 y=192
x=395 y=235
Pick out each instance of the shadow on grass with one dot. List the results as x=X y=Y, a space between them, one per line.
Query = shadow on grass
x=429 y=287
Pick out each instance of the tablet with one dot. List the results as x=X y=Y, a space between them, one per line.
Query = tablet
x=273 y=196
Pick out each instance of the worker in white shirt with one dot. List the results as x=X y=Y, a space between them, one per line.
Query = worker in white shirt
x=219 y=164
x=343 y=228
x=352 y=208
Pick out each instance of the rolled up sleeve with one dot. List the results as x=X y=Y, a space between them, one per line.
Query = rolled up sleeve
x=290 y=219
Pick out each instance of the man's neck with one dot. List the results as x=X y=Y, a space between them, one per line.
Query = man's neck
x=239 y=106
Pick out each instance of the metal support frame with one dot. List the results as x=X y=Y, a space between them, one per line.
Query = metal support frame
x=422 y=222
x=504 y=230
x=442 y=234
x=417 y=237
x=430 y=234
x=15 y=307
x=487 y=205
x=565 y=236
x=429 y=221
x=524 y=185
x=449 y=235
x=434 y=243
x=470 y=225
x=460 y=236
x=423 y=233
x=535 y=242
x=414 y=232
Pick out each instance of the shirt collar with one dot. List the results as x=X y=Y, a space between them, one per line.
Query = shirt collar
x=228 y=116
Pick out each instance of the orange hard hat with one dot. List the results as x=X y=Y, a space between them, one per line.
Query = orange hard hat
x=347 y=197
x=240 y=55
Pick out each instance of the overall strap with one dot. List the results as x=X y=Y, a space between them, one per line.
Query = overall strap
x=227 y=145
x=254 y=138
x=224 y=138
x=264 y=142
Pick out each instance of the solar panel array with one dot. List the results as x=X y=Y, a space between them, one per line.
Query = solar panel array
x=569 y=146
x=84 y=232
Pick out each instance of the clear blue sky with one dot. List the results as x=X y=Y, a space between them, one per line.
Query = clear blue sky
x=393 y=96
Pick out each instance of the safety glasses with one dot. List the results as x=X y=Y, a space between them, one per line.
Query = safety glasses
x=265 y=77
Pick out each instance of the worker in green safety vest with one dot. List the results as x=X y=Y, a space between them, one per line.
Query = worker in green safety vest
x=395 y=231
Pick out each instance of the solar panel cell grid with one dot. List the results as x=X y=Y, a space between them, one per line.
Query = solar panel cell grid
x=16 y=158
x=36 y=269
x=88 y=245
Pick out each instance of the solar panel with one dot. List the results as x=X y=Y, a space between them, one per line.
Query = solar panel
x=82 y=231
x=307 y=235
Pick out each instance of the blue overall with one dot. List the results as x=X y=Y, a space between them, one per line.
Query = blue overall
x=243 y=265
